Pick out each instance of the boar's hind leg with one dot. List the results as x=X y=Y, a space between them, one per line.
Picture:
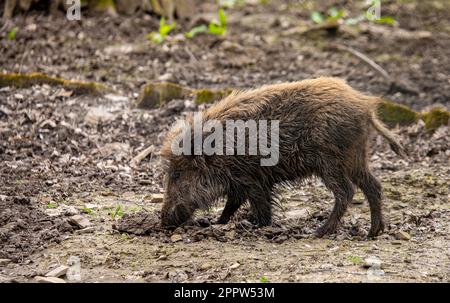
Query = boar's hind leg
x=343 y=193
x=234 y=200
x=372 y=190
x=261 y=206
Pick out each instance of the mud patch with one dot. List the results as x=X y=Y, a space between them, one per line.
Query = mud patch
x=25 y=229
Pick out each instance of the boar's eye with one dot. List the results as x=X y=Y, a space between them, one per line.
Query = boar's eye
x=175 y=175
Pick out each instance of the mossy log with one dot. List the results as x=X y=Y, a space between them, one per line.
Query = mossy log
x=394 y=114
x=435 y=118
x=28 y=80
x=156 y=94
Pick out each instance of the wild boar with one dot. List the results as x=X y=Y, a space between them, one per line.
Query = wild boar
x=323 y=131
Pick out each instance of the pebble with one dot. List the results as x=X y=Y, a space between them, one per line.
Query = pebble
x=176 y=238
x=403 y=235
x=157 y=198
x=235 y=265
x=206 y=266
x=4 y=262
x=372 y=262
x=80 y=221
x=86 y=230
x=98 y=115
x=58 y=271
x=49 y=280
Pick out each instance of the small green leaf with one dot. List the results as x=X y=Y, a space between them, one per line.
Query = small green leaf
x=355 y=259
x=196 y=30
x=334 y=14
x=386 y=20
x=52 y=205
x=117 y=212
x=317 y=17
x=222 y=18
x=216 y=29
x=12 y=33
x=88 y=211
x=356 y=20
x=264 y=279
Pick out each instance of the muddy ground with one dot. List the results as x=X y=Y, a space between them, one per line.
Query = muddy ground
x=64 y=154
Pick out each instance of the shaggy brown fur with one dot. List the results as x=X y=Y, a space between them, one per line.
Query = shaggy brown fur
x=324 y=128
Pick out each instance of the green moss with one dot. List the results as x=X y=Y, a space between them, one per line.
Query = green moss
x=210 y=95
x=103 y=4
x=435 y=118
x=28 y=80
x=396 y=114
x=154 y=95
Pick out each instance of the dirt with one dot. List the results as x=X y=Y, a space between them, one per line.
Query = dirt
x=63 y=154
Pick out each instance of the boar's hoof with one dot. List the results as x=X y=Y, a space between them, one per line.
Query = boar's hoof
x=376 y=229
x=222 y=221
x=326 y=229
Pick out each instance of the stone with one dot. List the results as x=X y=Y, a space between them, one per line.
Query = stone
x=79 y=221
x=234 y=266
x=4 y=262
x=153 y=95
x=98 y=115
x=86 y=230
x=58 y=271
x=176 y=238
x=206 y=266
x=372 y=262
x=298 y=214
x=117 y=98
x=157 y=198
x=403 y=235
x=49 y=280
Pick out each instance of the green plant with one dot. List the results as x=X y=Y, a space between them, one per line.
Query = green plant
x=195 y=31
x=386 y=20
x=334 y=15
x=264 y=279
x=164 y=30
x=355 y=259
x=219 y=27
x=88 y=211
x=52 y=205
x=12 y=33
x=118 y=212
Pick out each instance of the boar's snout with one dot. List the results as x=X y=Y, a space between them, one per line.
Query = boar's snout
x=174 y=215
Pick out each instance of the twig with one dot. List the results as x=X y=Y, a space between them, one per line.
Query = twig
x=366 y=60
x=394 y=85
x=142 y=155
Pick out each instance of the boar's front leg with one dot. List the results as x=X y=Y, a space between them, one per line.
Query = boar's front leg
x=343 y=192
x=235 y=198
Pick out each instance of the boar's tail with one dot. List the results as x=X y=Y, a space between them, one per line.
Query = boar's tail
x=388 y=135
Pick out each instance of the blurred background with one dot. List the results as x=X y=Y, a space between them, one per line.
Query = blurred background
x=127 y=43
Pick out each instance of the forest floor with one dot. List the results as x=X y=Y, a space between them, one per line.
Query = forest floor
x=64 y=154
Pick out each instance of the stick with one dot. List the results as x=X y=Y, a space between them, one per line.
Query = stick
x=393 y=84
x=142 y=155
